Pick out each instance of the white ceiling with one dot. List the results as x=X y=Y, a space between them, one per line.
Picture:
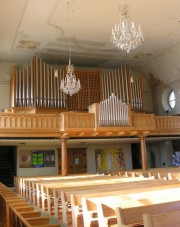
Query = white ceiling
x=81 y=142
x=44 y=27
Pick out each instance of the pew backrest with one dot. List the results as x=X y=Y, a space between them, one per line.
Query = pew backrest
x=133 y=215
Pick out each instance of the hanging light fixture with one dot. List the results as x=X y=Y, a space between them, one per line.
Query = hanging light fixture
x=70 y=85
x=124 y=35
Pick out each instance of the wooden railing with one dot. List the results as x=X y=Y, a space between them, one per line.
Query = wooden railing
x=75 y=120
x=143 y=121
x=29 y=121
x=167 y=122
x=55 y=125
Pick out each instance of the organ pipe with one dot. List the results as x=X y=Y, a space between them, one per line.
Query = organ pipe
x=36 y=86
x=113 y=112
x=119 y=83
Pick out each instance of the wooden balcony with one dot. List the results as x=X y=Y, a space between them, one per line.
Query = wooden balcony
x=29 y=125
x=84 y=124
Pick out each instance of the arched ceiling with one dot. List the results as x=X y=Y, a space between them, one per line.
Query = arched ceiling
x=44 y=27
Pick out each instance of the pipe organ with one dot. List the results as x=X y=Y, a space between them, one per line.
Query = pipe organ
x=136 y=94
x=113 y=112
x=119 y=83
x=38 y=87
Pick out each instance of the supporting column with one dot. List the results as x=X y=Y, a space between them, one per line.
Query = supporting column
x=143 y=153
x=64 y=166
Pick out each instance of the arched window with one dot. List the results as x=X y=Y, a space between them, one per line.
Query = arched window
x=172 y=100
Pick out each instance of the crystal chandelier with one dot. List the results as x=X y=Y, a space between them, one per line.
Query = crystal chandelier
x=70 y=85
x=124 y=35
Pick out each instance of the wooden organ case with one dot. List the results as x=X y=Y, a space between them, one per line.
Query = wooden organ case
x=36 y=89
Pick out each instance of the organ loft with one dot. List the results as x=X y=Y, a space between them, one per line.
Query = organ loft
x=109 y=104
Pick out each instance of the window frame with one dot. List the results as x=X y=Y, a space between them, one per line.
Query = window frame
x=172 y=99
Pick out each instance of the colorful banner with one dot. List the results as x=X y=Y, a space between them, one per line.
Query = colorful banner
x=36 y=158
x=109 y=160
x=25 y=159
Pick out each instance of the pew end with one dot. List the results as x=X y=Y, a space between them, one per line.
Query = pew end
x=76 y=206
x=89 y=212
x=106 y=216
x=169 y=219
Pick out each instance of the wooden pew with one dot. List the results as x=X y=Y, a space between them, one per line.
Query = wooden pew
x=31 y=186
x=167 y=219
x=49 y=187
x=27 y=187
x=18 y=212
x=47 y=191
x=106 y=205
x=22 y=187
x=102 y=179
x=166 y=173
x=63 y=194
x=134 y=215
x=28 y=218
x=57 y=196
x=34 y=185
x=91 y=214
x=76 y=197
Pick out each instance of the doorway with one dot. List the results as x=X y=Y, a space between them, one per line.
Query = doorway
x=136 y=155
x=77 y=160
x=7 y=165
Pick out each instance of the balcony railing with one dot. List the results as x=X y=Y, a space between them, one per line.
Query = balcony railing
x=29 y=121
x=167 y=122
x=51 y=125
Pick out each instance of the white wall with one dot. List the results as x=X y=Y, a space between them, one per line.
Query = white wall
x=163 y=153
x=37 y=171
x=5 y=77
x=91 y=162
x=155 y=148
x=5 y=96
x=161 y=150
x=147 y=95
x=168 y=150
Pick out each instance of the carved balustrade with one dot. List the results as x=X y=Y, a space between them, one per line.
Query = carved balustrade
x=56 y=125
x=143 y=121
x=29 y=121
x=75 y=120
x=167 y=122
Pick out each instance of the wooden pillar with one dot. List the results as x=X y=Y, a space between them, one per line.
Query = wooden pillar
x=64 y=166
x=143 y=153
